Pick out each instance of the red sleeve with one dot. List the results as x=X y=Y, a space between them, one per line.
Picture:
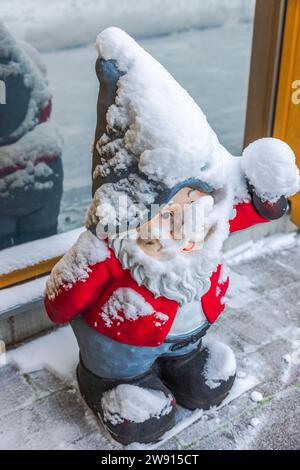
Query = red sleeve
x=69 y=303
x=212 y=301
x=246 y=216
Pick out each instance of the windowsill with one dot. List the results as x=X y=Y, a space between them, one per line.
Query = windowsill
x=17 y=299
x=31 y=253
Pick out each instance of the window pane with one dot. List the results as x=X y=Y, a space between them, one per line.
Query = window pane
x=205 y=45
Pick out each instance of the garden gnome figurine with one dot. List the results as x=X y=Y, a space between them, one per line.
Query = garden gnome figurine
x=30 y=146
x=145 y=281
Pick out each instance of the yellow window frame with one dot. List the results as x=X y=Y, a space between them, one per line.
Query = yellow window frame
x=287 y=112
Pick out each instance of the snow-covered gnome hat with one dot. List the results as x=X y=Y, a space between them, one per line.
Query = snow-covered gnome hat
x=24 y=88
x=151 y=137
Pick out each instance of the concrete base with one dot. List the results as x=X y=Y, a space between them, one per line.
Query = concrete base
x=24 y=323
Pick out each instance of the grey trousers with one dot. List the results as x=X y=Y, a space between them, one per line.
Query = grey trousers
x=110 y=359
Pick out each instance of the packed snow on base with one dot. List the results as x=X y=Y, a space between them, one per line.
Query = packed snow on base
x=134 y=404
x=220 y=365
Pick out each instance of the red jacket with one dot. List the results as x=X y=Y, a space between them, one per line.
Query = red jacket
x=88 y=297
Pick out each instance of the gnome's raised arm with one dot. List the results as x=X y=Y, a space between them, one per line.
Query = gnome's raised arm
x=268 y=173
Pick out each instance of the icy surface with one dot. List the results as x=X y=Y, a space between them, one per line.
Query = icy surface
x=75 y=264
x=135 y=404
x=270 y=167
x=221 y=363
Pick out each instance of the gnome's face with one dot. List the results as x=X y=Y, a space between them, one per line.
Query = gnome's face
x=180 y=226
x=175 y=253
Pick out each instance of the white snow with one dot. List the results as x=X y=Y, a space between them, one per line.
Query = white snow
x=125 y=303
x=256 y=396
x=135 y=404
x=254 y=422
x=264 y=247
x=18 y=257
x=220 y=365
x=75 y=264
x=241 y=374
x=270 y=166
x=69 y=23
x=57 y=351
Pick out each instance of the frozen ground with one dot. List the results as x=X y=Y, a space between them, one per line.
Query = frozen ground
x=205 y=45
x=261 y=324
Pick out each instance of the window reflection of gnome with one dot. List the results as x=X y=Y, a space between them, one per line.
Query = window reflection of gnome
x=30 y=147
x=141 y=300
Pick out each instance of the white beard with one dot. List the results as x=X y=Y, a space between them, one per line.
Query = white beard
x=186 y=276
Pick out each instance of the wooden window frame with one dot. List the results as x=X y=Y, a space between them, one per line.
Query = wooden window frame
x=265 y=62
x=267 y=95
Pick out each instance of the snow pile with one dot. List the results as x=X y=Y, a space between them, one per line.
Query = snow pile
x=220 y=365
x=30 y=68
x=135 y=404
x=269 y=164
x=69 y=23
x=127 y=304
x=75 y=264
x=256 y=396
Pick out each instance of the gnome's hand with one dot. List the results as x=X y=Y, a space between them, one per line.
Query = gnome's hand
x=270 y=169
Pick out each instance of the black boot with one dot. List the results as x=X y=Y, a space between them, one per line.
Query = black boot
x=136 y=410
x=202 y=378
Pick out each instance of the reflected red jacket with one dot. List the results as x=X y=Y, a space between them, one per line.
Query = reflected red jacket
x=143 y=320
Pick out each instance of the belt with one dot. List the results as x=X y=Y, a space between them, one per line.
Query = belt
x=193 y=338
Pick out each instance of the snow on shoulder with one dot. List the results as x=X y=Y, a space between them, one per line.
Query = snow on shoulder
x=269 y=164
x=135 y=404
x=75 y=264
